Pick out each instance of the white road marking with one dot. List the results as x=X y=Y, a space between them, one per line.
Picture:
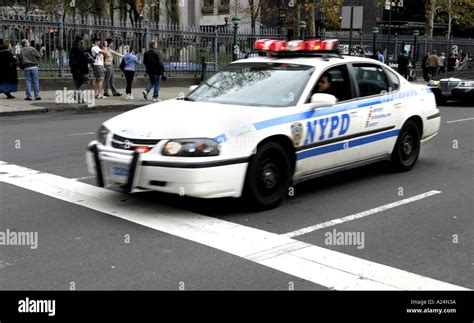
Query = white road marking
x=318 y=265
x=81 y=134
x=460 y=120
x=359 y=215
x=83 y=178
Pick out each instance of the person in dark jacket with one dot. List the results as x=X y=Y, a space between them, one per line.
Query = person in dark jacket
x=8 y=76
x=154 y=69
x=79 y=63
x=403 y=63
x=424 y=67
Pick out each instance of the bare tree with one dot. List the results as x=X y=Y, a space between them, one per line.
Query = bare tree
x=254 y=8
x=430 y=9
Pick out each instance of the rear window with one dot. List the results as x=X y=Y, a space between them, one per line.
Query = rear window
x=371 y=80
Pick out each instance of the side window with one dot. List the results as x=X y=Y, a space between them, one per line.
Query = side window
x=371 y=80
x=393 y=80
x=334 y=81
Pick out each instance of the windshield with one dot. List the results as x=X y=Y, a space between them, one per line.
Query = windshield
x=255 y=84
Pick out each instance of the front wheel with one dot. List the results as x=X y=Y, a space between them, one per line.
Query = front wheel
x=268 y=176
x=407 y=148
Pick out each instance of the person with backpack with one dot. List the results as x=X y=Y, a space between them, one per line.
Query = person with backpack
x=155 y=70
x=79 y=64
x=130 y=62
x=99 y=71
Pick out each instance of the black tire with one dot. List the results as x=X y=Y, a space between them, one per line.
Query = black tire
x=268 y=177
x=407 y=148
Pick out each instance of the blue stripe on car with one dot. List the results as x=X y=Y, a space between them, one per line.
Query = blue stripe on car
x=337 y=108
x=345 y=145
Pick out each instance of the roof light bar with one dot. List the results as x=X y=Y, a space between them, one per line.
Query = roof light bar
x=295 y=47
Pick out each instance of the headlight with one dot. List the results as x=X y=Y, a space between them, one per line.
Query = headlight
x=191 y=148
x=467 y=84
x=433 y=83
x=102 y=134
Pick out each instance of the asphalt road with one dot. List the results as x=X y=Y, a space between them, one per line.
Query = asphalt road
x=90 y=250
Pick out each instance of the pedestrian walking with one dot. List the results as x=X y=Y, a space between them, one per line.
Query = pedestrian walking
x=380 y=56
x=98 y=67
x=28 y=62
x=441 y=63
x=8 y=76
x=131 y=62
x=424 y=67
x=79 y=62
x=456 y=64
x=155 y=69
x=451 y=62
x=403 y=63
x=110 y=68
x=432 y=64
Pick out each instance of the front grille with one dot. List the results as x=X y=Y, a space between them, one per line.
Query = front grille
x=448 y=85
x=130 y=144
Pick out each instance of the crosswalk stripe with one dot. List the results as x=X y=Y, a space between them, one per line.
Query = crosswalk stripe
x=325 y=267
x=360 y=215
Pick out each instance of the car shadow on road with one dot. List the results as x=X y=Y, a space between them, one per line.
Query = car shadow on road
x=457 y=104
x=231 y=206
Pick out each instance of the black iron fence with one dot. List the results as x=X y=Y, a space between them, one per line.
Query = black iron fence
x=184 y=47
x=393 y=45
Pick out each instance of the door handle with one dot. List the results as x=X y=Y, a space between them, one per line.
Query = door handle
x=398 y=105
x=354 y=114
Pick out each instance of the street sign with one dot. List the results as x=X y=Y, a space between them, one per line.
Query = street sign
x=356 y=18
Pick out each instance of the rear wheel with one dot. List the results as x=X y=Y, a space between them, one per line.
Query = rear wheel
x=268 y=176
x=407 y=148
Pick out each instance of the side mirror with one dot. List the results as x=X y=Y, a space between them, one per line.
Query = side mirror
x=193 y=87
x=321 y=100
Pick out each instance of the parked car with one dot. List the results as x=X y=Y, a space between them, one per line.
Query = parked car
x=457 y=85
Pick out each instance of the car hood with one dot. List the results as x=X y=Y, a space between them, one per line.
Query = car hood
x=186 y=119
x=463 y=75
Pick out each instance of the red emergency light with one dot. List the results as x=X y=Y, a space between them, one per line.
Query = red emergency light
x=295 y=47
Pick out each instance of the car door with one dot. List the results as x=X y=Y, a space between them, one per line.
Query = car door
x=326 y=135
x=381 y=105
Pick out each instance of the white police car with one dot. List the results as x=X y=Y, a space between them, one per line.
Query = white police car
x=262 y=124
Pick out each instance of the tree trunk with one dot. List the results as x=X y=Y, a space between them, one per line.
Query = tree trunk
x=311 y=31
x=430 y=6
x=298 y=18
x=111 y=10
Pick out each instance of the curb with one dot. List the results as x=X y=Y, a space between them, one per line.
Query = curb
x=79 y=108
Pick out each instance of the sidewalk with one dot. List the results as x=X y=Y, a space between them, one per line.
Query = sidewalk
x=57 y=101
